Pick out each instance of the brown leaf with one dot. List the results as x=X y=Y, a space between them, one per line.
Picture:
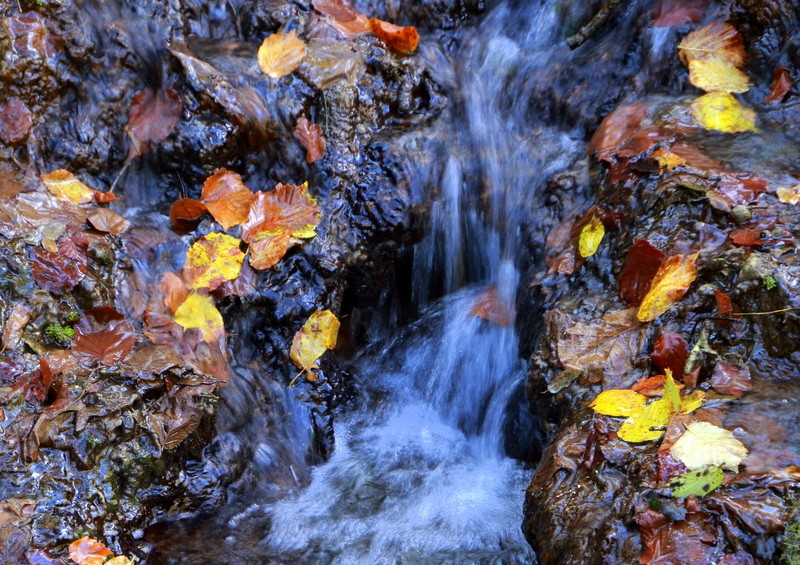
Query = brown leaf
x=686 y=541
x=185 y=213
x=695 y=158
x=15 y=121
x=337 y=9
x=227 y=198
x=310 y=136
x=108 y=221
x=670 y=352
x=15 y=324
x=730 y=379
x=31 y=37
x=103 y=334
x=780 y=87
x=180 y=419
x=87 y=551
x=736 y=189
x=678 y=12
x=640 y=266
x=602 y=349
x=173 y=291
x=400 y=39
x=55 y=272
x=617 y=127
x=747 y=237
x=152 y=118
x=493 y=308
x=280 y=54
x=104 y=197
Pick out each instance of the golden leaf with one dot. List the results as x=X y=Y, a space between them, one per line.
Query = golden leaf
x=714 y=41
x=618 y=402
x=671 y=282
x=590 y=237
x=67 y=187
x=199 y=311
x=317 y=336
x=280 y=54
x=668 y=159
x=716 y=75
x=212 y=260
x=692 y=402
x=704 y=444
x=119 y=560
x=789 y=195
x=720 y=111
x=649 y=424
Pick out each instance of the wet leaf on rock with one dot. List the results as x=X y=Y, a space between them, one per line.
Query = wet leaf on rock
x=615 y=129
x=103 y=335
x=400 y=39
x=716 y=41
x=691 y=540
x=670 y=351
x=704 y=444
x=185 y=213
x=618 y=402
x=55 y=272
x=153 y=116
x=780 y=87
x=198 y=311
x=697 y=483
x=640 y=267
x=310 y=136
x=177 y=422
x=720 y=111
x=648 y=424
x=670 y=13
x=280 y=54
x=15 y=120
x=15 y=324
x=590 y=238
x=730 y=379
x=337 y=9
x=87 y=551
x=790 y=195
x=212 y=260
x=65 y=186
x=108 y=221
x=119 y=560
x=670 y=284
x=227 y=198
x=716 y=75
x=318 y=335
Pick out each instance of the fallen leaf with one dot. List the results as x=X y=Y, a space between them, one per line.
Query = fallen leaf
x=400 y=39
x=670 y=351
x=108 y=221
x=789 y=195
x=716 y=75
x=65 y=186
x=337 y=9
x=691 y=540
x=119 y=560
x=730 y=379
x=747 y=237
x=670 y=284
x=696 y=158
x=735 y=189
x=17 y=319
x=697 y=483
x=667 y=159
x=317 y=336
x=604 y=348
x=87 y=551
x=103 y=334
x=153 y=116
x=280 y=54
x=55 y=272
x=640 y=267
x=671 y=392
x=15 y=121
x=715 y=41
x=704 y=444
x=651 y=387
x=185 y=213
x=310 y=136
x=199 y=311
x=720 y=111
x=780 y=87
x=212 y=260
x=104 y=197
x=615 y=128
x=591 y=236
x=670 y=13
x=649 y=424
x=497 y=310
x=227 y=198
x=618 y=402
x=692 y=402
x=32 y=37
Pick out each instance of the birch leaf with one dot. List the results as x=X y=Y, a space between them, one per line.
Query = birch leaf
x=717 y=75
x=227 y=198
x=715 y=41
x=704 y=444
x=670 y=284
x=280 y=54
x=317 y=336
x=620 y=402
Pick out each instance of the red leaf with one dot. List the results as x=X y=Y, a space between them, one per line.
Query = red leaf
x=104 y=335
x=185 y=214
x=747 y=237
x=309 y=135
x=152 y=118
x=780 y=87
x=730 y=379
x=724 y=306
x=641 y=265
x=55 y=272
x=401 y=39
x=670 y=352
x=677 y=12
x=15 y=121
x=618 y=126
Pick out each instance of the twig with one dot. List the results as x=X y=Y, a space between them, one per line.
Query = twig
x=585 y=32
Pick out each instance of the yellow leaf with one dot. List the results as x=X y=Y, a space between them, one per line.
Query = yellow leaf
x=624 y=402
x=317 y=336
x=671 y=391
x=789 y=195
x=280 y=54
x=198 y=311
x=716 y=75
x=67 y=187
x=590 y=238
x=671 y=282
x=714 y=41
x=692 y=402
x=212 y=260
x=704 y=444
x=119 y=560
x=649 y=424
x=720 y=111
x=668 y=159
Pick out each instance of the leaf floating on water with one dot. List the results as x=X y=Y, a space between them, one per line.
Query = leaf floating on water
x=280 y=54
x=310 y=136
x=87 y=551
x=212 y=260
x=716 y=75
x=65 y=186
x=704 y=444
x=780 y=87
x=720 y=111
x=227 y=198
x=153 y=116
x=185 y=213
x=317 y=336
x=697 y=483
x=590 y=238
x=619 y=402
x=400 y=39
x=670 y=284
x=108 y=221
x=489 y=306
x=199 y=311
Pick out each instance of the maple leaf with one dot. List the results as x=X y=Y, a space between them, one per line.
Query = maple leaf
x=212 y=260
x=153 y=116
x=108 y=221
x=697 y=483
x=185 y=214
x=780 y=87
x=640 y=267
x=227 y=198
x=88 y=551
x=704 y=444
x=310 y=136
x=670 y=284
x=15 y=121
x=317 y=336
x=400 y=39
x=280 y=54
x=103 y=334
x=591 y=236
x=720 y=111
x=618 y=402
x=199 y=311
x=65 y=186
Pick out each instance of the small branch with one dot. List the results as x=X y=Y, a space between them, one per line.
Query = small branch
x=585 y=32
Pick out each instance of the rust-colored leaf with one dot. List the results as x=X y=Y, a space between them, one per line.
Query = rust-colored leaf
x=87 y=551
x=780 y=87
x=671 y=282
x=227 y=198
x=696 y=158
x=683 y=541
x=310 y=136
x=15 y=324
x=493 y=308
x=104 y=197
x=747 y=237
x=15 y=120
x=724 y=306
x=153 y=116
x=400 y=39
x=670 y=13
x=31 y=37
x=55 y=272
x=730 y=379
x=185 y=213
x=337 y=9
x=173 y=291
x=670 y=352
x=103 y=334
x=615 y=129
x=640 y=266
x=651 y=387
x=734 y=189
x=108 y=221
x=280 y=54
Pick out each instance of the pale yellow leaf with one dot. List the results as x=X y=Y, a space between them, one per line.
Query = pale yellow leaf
x=704 y=444
x=720 y=111
x=619 y=402
x=590 y=237
x=789 y=195
x=671 y=282
x=317 y=336
x=199 y=311
x=280 y=54
x=119 y=560
x=717 y=75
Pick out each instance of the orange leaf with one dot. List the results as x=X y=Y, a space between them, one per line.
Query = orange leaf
x=397 y=38
x=173 y=291
x=67 y=187
x=227 y=198
x=309 y=135
x=651 y=387
x=492 y=308
x=615 y=129
x=185 y=213
x=671 y=282
x=87 y=551
x=108 y=221
x=103 y=334
x=104 y=197
x=280 y=54
x=266 y=253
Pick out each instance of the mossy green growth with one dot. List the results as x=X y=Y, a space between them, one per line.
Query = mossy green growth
x=769 y=282
x=62 y=335
x=790 y=546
